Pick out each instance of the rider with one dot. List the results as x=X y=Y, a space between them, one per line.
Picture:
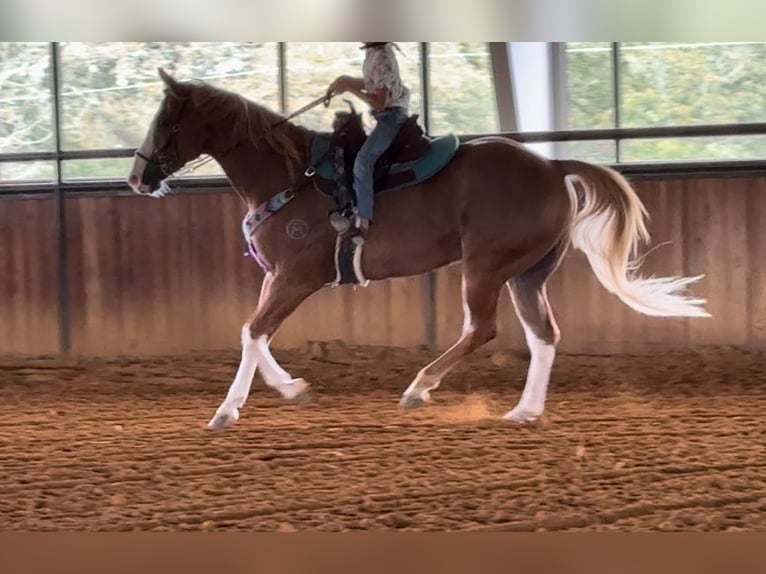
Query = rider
x=381 y=88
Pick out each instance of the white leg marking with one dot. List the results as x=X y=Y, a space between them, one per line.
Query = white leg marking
x=274 y=375
x=420 y=388
x=239 y=390
x=337 y=269
x=363 y=282
x=532 y=400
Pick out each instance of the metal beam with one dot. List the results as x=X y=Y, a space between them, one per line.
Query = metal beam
x=617 y=93
x=65 y=334
x=429 y=279
x=282 y=74
x=714 y=130
x=503 y=81
x=757 y=128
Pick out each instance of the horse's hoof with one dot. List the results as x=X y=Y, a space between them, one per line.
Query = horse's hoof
x=521 y=415
x=296 y=390
x=411 y=402
x=222 y=420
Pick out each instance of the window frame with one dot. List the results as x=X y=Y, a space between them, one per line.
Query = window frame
x=617 y=134
x=506 y=100
x=112 y=186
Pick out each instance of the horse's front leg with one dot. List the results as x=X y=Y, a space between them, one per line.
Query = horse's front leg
x=279 y=298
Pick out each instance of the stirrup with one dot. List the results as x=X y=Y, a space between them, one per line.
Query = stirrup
x=339 y=223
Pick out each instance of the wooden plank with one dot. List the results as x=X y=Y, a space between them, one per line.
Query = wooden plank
x=756 y=249
x=371 y=316
x=449 y=306
x=29 y=286
x=665 y=257
x=580 y=310
x=717 y=212
x=407 y=311
x=7 y=338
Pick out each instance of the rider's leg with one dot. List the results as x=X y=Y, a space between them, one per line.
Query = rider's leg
x=380 y=138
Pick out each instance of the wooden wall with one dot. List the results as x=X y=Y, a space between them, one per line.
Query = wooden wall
x=712 y=227
x=166 y=276
x=28 y=277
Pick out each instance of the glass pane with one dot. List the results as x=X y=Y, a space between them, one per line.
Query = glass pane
x=462 y=90
x=590 y=90
x=26 y=109
x=117 y=168
x=692 y=83
x=109 y=168
x=545 y=149
x=312 y=66
x=28 y=171
x=703 y=148
x=599 y=151
x=113 y=87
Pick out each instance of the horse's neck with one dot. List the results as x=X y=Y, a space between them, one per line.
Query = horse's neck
x=258 y=174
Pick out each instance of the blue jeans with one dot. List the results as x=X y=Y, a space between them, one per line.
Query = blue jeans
x=380 y=138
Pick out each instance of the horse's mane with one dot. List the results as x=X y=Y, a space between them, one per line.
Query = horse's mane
x=251 y=120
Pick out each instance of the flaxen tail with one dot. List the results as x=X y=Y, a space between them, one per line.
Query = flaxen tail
x=607 y=228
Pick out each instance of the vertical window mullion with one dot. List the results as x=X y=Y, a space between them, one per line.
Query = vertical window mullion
x=429 y=279
x=425 y=84
x=617 y=96
x=282 y=75
x=60 y=226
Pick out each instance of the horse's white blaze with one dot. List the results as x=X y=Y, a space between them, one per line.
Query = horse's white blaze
x=139 y=164
x=533 y=396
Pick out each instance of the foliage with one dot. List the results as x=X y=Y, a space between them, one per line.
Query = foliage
x=671 y=84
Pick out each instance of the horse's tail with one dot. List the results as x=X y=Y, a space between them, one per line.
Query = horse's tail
x=607 y=228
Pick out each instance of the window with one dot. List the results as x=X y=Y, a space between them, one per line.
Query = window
x=664 y=84
x=109 y=91
x=590 y=99
x=26 y=108
x=462 y=90
x=113 y=88
x=312 y=66
x=687 y=84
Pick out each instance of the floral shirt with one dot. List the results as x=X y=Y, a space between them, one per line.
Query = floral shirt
x=381 y=69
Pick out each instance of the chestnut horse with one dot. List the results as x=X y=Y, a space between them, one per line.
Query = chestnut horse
x=507 y=214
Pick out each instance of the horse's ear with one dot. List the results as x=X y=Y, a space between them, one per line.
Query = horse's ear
x=173 y=86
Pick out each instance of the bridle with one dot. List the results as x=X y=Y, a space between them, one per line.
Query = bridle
x=160 y=153
x=160 y=159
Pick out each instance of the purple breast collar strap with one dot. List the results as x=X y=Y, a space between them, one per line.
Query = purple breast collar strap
x=257 y=216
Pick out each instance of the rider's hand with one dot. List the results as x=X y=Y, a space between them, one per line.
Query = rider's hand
x=341 y=84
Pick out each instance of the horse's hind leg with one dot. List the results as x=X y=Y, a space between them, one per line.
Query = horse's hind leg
x=480 y=295
x=530 y=300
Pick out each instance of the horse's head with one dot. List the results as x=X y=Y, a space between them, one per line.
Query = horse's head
x=175 y=137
